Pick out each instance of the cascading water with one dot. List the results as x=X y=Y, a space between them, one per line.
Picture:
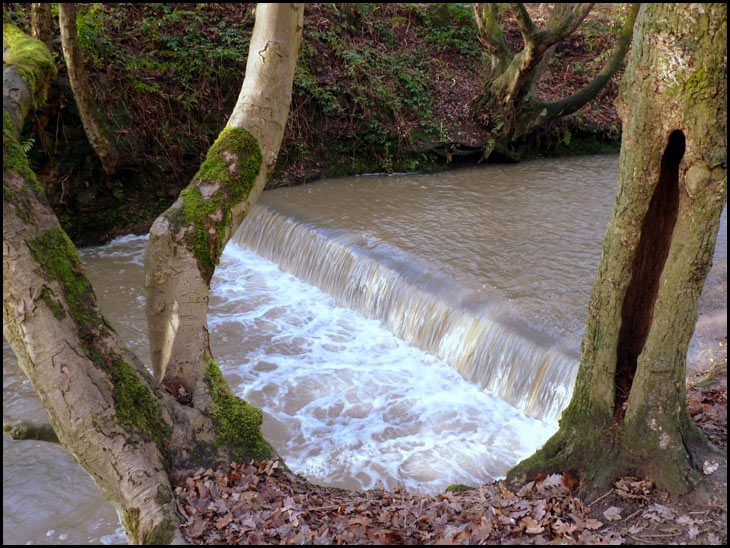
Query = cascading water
x=490 y=274
x=479 y=336
x=495 y=262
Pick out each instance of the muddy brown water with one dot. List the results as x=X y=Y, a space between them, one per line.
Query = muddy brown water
x=352 y=311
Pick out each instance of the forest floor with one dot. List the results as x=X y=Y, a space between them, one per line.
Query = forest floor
x=263 y=503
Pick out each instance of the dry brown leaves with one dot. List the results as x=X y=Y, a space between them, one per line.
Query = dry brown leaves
x=261 y=503
x=264 y=503
x=707 y=405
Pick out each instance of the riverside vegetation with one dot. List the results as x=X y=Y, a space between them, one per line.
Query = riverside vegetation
x=385 y=88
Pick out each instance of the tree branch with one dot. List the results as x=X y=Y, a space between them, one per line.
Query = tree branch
x=492 y=37
x=550 y=111
x=524 y=22
x=563 y=27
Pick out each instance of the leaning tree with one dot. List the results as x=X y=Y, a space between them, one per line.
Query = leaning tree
x=509 y=97
x=628 y=412
x=130 y=434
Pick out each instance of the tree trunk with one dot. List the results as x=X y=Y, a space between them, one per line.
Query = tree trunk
x=509 y=98
x=187 y=240
x=92 y=119
x=123 y=428
x=628 y=412
x=41 y=23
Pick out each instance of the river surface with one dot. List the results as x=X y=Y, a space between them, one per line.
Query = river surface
x=492 y=264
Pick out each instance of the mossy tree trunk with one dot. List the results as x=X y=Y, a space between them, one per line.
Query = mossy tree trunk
x=187 y=240
x=509 y=95
x=118 y=422
x=97 y=131
x=628 y=412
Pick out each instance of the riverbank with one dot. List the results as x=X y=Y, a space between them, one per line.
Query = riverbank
x=380 y=88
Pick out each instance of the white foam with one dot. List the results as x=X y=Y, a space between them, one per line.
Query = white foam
x=346 y=402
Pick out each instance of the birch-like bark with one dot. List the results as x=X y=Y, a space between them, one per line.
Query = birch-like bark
x=77 y=365
x=186 y=241
x=114 y=418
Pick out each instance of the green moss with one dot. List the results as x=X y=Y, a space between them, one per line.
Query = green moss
x=15 y=159
x=457 y=488
x=162 y=534
x=227 y=176
x=58 y=257
x=31 y=57
x=163 y=496
x=136 y=407
x=238 y=423
x=55 y=305
x=131 y=522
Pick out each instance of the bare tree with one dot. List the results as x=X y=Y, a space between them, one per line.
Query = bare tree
x=628 y=413
x=510 y=89
x=119 y=423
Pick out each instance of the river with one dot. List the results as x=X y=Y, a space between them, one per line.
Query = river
x=352 y=312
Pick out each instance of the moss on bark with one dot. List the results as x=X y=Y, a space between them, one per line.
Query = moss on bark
x=224 y=180
x=31 y=57
x=628 y=412
x=237 y=422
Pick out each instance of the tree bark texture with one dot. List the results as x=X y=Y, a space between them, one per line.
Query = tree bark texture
x=510 y=89
x=41 y=23
x=118 y=422
x=92 y=119
x=187 y=240
x=628 y=412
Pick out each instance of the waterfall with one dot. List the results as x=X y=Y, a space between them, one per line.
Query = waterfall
x=481 y=337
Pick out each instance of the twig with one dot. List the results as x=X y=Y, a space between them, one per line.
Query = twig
x=632 y=515
x=601 y=498
x=660 y=536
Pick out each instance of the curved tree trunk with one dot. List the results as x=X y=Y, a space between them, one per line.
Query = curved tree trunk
x=510 y=90
x=628 y=412
x=187 y=240
x=95 y=127
x=118 y=422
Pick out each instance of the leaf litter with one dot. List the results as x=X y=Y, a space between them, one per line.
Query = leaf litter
x=262 y=502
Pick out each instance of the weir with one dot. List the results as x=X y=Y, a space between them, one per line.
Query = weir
x=481 y=336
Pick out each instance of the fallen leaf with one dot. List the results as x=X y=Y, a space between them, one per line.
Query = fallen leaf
x=709 y=467
x=563 y=528
x=612 y=513
x=531 y=526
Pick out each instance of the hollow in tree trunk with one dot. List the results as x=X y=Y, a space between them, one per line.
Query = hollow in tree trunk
x=628 y=412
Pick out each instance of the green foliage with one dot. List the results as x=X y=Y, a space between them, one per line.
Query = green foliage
x=459 y=36
x=15 y=157
x=383 y=88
